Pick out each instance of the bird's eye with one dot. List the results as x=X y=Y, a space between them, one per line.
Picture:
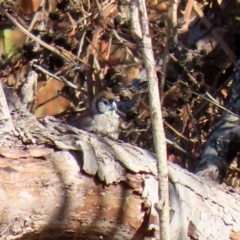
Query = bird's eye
x=103 y=105
x=105 y=101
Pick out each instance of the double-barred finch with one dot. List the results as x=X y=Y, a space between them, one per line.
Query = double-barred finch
x=102 y=117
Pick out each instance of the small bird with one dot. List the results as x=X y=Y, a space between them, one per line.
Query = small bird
x=102 y=117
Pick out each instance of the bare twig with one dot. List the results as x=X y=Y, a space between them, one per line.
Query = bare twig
x=135 y=24
x=157 y=123
x=207 y=98
x=114 y=33
x=176 y=146
x=194 y=126
x=187 y=20
x=177 y=132
x=81 y=43
x=173 y=15
x=38 y=15
x=164 y=69
x=216 y=104
x=171 y=21
x=194 y=81
x=60 y=79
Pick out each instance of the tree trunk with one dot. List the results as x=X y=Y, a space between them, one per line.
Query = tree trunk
x=77 y=185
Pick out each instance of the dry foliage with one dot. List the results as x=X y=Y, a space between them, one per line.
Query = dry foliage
x=73 y=49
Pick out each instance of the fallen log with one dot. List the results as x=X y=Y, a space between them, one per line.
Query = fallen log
x=59 y=182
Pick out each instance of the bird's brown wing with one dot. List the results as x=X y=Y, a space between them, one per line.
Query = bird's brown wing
x=83 y=122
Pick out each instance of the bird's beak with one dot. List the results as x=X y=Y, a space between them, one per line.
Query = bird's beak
x=113 y=106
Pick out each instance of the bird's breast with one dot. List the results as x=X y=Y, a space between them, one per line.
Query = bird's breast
x=107 y=124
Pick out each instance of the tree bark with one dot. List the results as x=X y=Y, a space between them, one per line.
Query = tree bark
x=77 y=185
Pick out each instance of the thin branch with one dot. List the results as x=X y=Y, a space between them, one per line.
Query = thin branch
x=114 y=33
x=216 y=104
x=38 y=15
x=176 y=146
x=194 y=126
x=164 y=69
x=157 y=123
x=177 y=132
x=206 y=97
x=187 y=21
x=60 y=79
x=135 y=23
x=173 y=15
x=193 y=80
x=81 y=43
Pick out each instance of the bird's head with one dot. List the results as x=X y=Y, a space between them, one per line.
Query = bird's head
x=104 y=102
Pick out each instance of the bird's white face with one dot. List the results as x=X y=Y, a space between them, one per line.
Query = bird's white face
x=104 y=106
